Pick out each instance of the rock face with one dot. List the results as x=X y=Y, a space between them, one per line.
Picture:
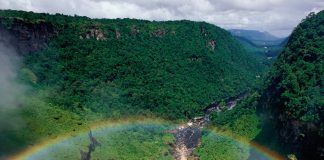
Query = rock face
x=159 y=33
x=301 y=136
x=97 y=34
x=118 y=35
x=211 y=45
x=27 y=37
x=187 y=139
x=135 y=30
x=188 y=136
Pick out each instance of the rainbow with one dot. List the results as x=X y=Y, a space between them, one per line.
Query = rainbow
x=46 y=146
x=262 y=152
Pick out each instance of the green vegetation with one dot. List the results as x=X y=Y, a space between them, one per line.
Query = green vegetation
x=295 y=87
x=99 y=68
x=291 y=103
x=218 y=147
x=239 y=124
x=241 y=121
x=37 y=120
x=40 y=121
x=261 y=44
x=297 y=76
x=95 y=69
x=130 y=141
x=148 y=142
x=256 y=37
x=265 y=52
x=125 y=67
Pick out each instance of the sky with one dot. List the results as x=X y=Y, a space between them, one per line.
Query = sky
x=278 y=17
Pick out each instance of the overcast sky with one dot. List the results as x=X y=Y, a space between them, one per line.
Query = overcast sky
x=278 y=17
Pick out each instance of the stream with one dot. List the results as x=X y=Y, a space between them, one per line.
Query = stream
x=188 y=136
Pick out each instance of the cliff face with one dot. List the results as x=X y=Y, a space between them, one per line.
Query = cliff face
x=300 y=137
x=27 y=37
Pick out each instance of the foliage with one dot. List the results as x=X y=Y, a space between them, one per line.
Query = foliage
x=123 y=67
x=262 y=44
x=38 y=120
x=119 y=67
x=218 y=147
x=41 y=121
x=26 y=75
x=241 y=121
x=293 y=93
x=137 y=143
x=265 y=53
x=295 y=83
x=241 y=124
x=125 y=142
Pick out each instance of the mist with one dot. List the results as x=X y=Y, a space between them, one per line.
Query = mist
x=11 y=91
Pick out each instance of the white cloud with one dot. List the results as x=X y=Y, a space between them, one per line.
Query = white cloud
x=276 y=16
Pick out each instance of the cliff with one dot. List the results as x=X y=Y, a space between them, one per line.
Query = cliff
x=26 y=37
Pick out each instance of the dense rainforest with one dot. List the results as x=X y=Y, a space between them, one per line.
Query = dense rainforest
x=76 y=70
x=293 y=98
x=134 y=66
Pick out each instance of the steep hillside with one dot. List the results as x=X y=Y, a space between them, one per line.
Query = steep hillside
x=118 y=67
x=295 y=90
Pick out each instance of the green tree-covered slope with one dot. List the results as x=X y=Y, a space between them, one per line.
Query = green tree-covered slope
x=294 y=94
x=125 y=66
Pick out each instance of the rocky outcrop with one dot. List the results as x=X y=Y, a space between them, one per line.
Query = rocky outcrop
x=95 y=33
x=159 y=32
x=27 y=37
x=135 y=30
x=295 y=136
x=299 y=136
x=188 y=136
x=211 y=45
x=203 y=31
x=118 y=34
x=186 y=140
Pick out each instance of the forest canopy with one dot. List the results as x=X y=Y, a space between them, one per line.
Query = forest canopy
x=172 y=69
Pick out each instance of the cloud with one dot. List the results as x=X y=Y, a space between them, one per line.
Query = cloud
x=276 y=16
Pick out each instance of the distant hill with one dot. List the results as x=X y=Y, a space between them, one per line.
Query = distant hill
x=257 y=37
x=254 y=34
x=259 y=43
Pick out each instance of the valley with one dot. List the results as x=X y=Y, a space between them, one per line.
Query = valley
x=74 y=87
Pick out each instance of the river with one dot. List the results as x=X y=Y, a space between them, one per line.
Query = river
x=188 y=136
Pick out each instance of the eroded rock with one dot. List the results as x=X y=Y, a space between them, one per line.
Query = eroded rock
x=27 y=37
